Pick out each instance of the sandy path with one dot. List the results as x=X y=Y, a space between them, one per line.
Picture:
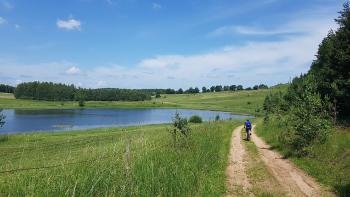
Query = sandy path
x=237 y=179
x=294 y=181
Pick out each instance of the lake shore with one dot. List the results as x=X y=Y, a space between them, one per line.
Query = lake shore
x=238 y=102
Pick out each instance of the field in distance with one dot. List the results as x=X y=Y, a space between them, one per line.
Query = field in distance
x=242 y=102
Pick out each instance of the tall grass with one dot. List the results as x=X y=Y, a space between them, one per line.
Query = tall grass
x=328 y=163
x=133 y=161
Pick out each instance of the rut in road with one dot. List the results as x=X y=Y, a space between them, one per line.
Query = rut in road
x=237 y=180
x=293 y=180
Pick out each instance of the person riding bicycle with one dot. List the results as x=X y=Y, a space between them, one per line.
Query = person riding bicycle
x=248 y=128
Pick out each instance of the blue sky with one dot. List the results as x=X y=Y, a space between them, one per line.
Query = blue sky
x=161 y=44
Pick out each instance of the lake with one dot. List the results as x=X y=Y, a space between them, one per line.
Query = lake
x=18 y=121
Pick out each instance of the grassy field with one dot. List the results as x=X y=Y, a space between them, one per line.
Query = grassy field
x=328 y=163
x=133 y=161
x=243 y=102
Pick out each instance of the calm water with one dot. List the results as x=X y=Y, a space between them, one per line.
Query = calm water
x=71 y=119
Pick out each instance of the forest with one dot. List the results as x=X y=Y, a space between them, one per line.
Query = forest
x=6 y=88
x=216 y=88
x=316 y=101
x=60 y=92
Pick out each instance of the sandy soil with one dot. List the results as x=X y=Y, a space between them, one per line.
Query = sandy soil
x=237 y=180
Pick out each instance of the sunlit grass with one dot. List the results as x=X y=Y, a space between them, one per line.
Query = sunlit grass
x=243 y=102
x=129 y=161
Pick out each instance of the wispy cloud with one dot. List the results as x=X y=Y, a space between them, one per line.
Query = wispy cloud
x=73 y=70
x=269 y=61
x=70 y=24
x=244 y=30
x=156 y=6
x=7 y=5
x=2 y=21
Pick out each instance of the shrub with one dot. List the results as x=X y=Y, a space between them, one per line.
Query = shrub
x=4 y=138
x=81 y=103
x=180 y=125
x=195 y=119
x=217 y=117
x=307 y=119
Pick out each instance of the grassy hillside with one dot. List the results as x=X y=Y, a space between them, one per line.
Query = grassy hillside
x=133 y=161
x=328 y=163
x=245 y=102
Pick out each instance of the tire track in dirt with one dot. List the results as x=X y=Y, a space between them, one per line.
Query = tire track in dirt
x=237 y=180
x=293 y=180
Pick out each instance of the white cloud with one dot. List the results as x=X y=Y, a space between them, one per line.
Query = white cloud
x=18 y=81
x=251 y=63
x=73 y=70
x=2 y=21
x=101 y=83
x=156 y=5
x=70 y=24
x=304 y=25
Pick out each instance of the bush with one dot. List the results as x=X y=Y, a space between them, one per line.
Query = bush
x=180 y=125
x=4 y=138
x=307 y=120
x=81 y=103
x=217 y=117
x=195 y=119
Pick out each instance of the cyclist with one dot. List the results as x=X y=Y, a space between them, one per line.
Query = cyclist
x=248 y=129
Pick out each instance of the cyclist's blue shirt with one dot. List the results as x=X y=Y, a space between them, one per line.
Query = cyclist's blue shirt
x=248 y=124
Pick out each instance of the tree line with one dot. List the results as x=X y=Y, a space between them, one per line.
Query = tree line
x=319 y=99
x=6 y=88
x=217 y=88
x=61 y=92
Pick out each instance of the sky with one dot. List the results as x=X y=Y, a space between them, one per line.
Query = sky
x=161 y=44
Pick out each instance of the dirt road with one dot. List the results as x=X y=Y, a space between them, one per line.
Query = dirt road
x=291 y=178
x=293 y=181
x=237 y=180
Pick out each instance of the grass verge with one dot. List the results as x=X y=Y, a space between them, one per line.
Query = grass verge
x=133 y=161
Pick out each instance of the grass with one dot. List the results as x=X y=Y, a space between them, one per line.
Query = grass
x=328 y=163
x=132 y=161
x=6 y=95
x=243 y=102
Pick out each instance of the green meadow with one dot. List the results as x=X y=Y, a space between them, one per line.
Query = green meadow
x=143 y=160
x=243 y=102
x=132 y=161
